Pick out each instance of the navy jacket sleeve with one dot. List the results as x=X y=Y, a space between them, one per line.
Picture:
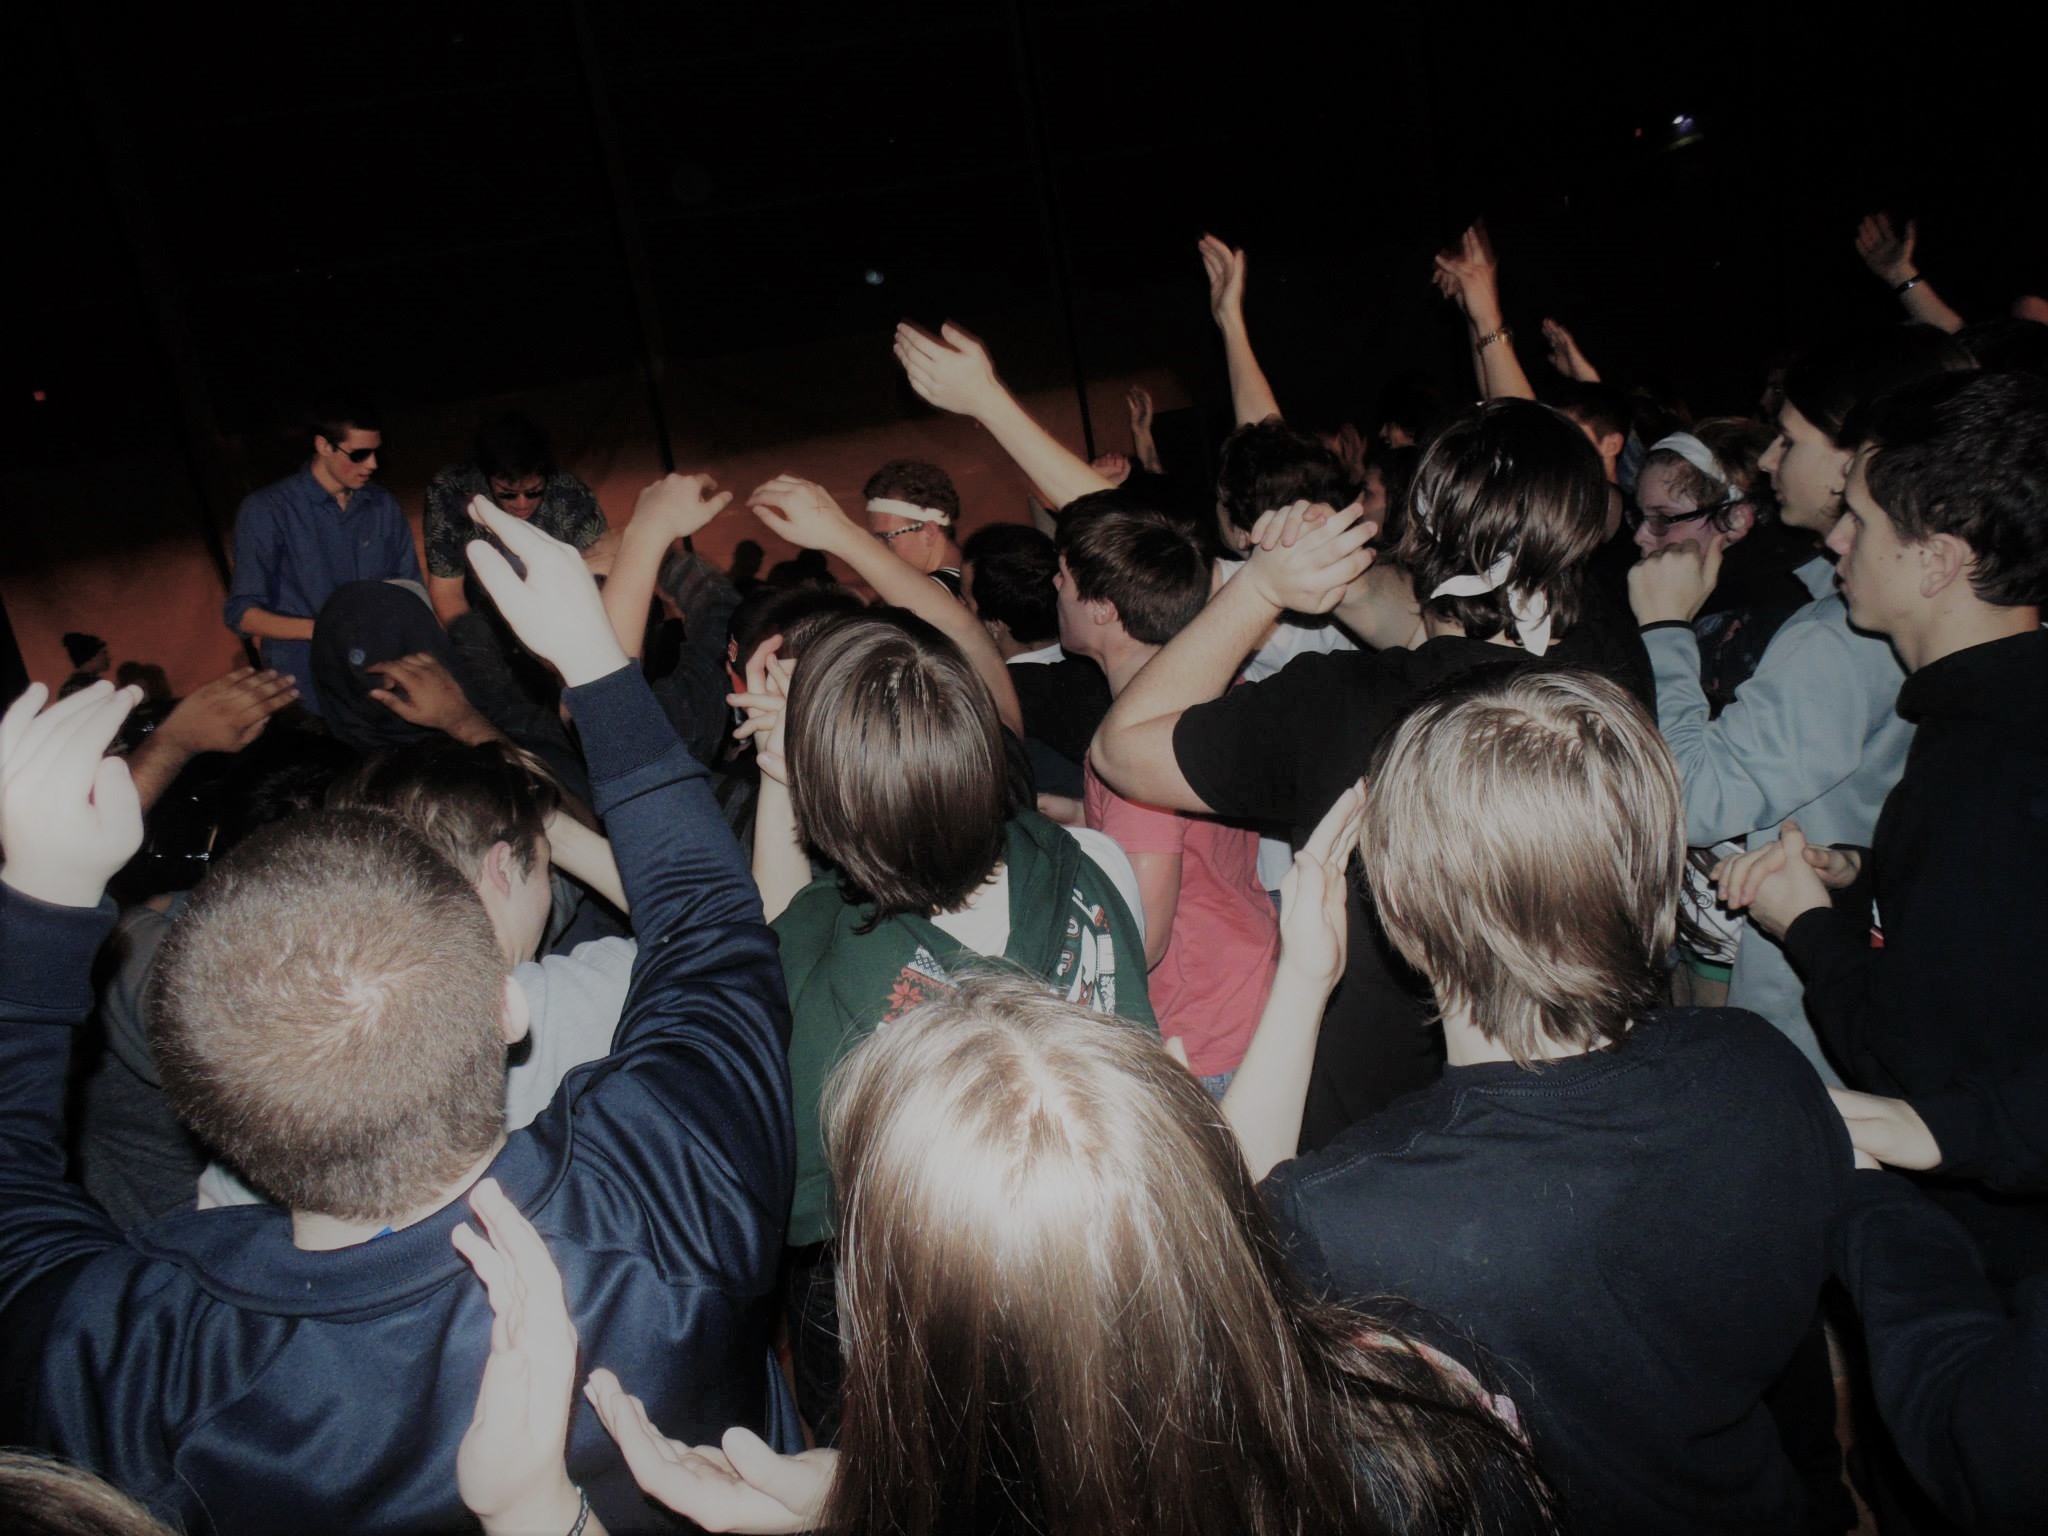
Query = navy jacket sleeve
x=48 y=1227
x=692 y=1106
x=1962 y=1384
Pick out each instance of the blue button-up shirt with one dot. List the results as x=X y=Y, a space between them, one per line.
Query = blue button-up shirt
x=294 y=544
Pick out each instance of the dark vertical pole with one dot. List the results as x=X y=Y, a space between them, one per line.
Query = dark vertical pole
x=13 y=670
x=1023 y=56
x=653 y=356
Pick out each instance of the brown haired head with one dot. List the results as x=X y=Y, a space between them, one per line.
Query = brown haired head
x=1525 y=844
x=896 y=767
x=327 y=1015
x=46 y=1497
x=1512 y=478
x=1145 y=565
x=1063 y=1307
x=461 y=799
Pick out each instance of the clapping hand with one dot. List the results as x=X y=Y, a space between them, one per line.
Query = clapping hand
x=676 y=506
x=1887 y=253
x=69 y=815
x=741 y=1485
x=1775 y=884
x=1565 y=355
x=1303 y=557
x=555 y=608
x=766 y=702
x=1113 y=467
x=803 y=512
x=951 y=370
x=1226 y=269
x=1470 y=275
x=1313 y=928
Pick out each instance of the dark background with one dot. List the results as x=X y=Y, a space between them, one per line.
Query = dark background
x=218 y=213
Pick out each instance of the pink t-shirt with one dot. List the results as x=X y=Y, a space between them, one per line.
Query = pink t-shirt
x=1212 y=982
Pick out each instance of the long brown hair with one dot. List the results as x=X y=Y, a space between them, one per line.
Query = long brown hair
x=1064 y=1309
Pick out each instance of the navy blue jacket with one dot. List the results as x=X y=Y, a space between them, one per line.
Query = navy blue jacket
x=236 y=1383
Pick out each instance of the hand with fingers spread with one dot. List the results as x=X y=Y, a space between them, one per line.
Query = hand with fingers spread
x=421 y=691
x=1305 y=557
x=1775 y=885
x=951 y=370
x=228 y=713
x=677 y=506
x=1314 y=929
x=803 y=512
x=740 y=1485
x=766 y=702
x=1226 y=270
x=1138 y=401
x=554 y=608
x=510 y=1468
x=1674 y=583
x=69 y=815
x=1887 y=253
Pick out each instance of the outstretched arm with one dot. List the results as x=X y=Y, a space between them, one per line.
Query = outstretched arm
x=1470 y=275
x=1251 y=397
x=1889 y=255
x=1565 y=355
x=673 y=507
x=1294 y=564
x=953 y=371
x=224 y=715
x=803 y=513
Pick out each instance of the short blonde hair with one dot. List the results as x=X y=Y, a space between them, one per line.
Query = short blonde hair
x=1525 y=845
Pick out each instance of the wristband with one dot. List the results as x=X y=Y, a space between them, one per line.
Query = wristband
x=1503 y=334
x=1902 y=289
x=582 y=1512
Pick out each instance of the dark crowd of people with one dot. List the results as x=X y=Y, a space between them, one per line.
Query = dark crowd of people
x=1472 y=972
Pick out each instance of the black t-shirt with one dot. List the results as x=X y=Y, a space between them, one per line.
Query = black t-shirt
x=1637 y=1237
x=1282 y=751
x=1063 y=702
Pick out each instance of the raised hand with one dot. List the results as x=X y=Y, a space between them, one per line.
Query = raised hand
x=741 y=1485
x=69 y=815
x=1138 y=400
x=555 y=607
x=951 y=370
x=1303 y=557
x=766 y=702
x=1887 y=253
x=1471 y=276
x=1565 y=355
x=803 y=512
x=1226 y=269
x=510 y=1468
x=1113 y=467
x=676 y=506
x=1314 y=930
x=1673 y=583
x=421 y=691
x=228 y=713
x=1775 y=885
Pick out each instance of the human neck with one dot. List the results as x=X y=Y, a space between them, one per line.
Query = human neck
x=1970 y=624
x=329 y=484
x=1435 y=625
x=1123 y=659
x=317 y=1233
x=1466 y=1046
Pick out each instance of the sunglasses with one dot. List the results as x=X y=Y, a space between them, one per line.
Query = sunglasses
x=896 y=533
x=357 y=455
x=502 y=496
x=1660 y=525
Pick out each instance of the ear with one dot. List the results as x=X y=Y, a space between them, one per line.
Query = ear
x=497 y=870
x=1944 y=561
x=1101 y=611
x=321 y=445
x=1610 y=445
x=517 y=1017
x=1741 y=519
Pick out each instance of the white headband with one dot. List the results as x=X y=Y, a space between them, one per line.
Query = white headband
x=1701 y=458
x=1531 y=610
x=909 y=509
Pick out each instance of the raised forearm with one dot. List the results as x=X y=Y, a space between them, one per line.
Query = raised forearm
x=1927 y=306
x=630 y=587
x=1251 y=397
x=1049 y=464
x=587 y=856
x=155 y=764
x=1133 y=747
x=781 y=868
x=1264 y=1101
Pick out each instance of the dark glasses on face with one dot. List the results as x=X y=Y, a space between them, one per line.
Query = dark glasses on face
x=502 y=494
x=357 y=455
